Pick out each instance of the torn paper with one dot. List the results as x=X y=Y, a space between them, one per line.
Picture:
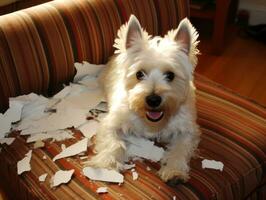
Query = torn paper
x=128 y=166
x=38 y=144
x=13 y=114
x=24 y=164
x=61 y=177
x=100 y=174
x=89 y=128
x=43 y=177
x=86 y=100
x=58 y=135
x=101 y=190
x=85 y=68
x=69 y=117
x=212 y=164
x=5 y=125
x=135 y=175
x=143 y=148
x=7 y=141
x=74 y=149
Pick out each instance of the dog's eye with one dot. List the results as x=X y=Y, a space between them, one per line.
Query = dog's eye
x=140 y=75
x=169 y=76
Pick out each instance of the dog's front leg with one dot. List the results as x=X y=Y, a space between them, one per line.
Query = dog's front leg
x=109 y=146
x=175 y=163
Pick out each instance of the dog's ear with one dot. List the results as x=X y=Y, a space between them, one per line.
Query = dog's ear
x=183 y=35
x=131 y=35
x=186 y=36
x=134 y=31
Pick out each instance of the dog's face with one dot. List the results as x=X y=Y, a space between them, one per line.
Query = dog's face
x=158 y=70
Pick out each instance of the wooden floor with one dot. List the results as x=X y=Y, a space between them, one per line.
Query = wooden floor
x=241 y=67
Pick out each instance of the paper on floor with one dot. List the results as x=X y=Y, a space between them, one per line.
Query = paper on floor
x=61 y=176
x=212 y=164
x=102 y=190
x=7 y=141
x=143 y=148
x=101 y=174
x=72 y=150
x=43 y=177
x=24 y=164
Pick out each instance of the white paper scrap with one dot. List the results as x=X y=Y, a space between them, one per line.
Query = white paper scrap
x=85 y=100
x=101 y=174
x=57 y=135
x=85 y=68
x=62 y=119
x=212 y=164
x=102 y=190
x=72 y=150
x=43 y=177
x=5 y=125
x=13 y=114
x=24 y=164
x=38 y=144
x=89 y=129
x=135 y=175
x=7 y=141
x=61 y=176
x=143 y=148
x=128 y=166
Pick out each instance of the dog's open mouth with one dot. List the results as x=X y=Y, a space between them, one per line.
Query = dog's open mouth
x=154 y=116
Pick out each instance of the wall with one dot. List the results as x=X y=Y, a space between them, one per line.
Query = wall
x=257 y=10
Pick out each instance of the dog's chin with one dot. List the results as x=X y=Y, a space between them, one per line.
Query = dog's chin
x=154 y=115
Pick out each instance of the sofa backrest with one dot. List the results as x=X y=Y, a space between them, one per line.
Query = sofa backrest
x=39 y=45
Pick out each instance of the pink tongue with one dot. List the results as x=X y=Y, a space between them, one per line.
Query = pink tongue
x=154 y=115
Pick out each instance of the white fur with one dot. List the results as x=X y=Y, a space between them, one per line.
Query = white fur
x=155 y=55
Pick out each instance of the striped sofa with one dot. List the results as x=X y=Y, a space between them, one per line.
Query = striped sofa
x=38 y=47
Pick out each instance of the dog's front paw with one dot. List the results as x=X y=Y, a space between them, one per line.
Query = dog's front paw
x=167 y=173
x=102 y=161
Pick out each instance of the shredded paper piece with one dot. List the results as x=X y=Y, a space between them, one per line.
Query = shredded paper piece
x=43 y=177
x=212 y=164
x=135 y=175
x=128 y=166
x=84 y=69
x=72 y=150
x=102 y=190
x=58 y=135
x=38 y=144
x=143 y=148
x=13 y=114
x=61 y=176
x=7 y=141
x=100 y=174
x=24 y=164
x=89 y=129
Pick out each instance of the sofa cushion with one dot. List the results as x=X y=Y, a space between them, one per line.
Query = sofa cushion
x=39 y=45
x=233 y=131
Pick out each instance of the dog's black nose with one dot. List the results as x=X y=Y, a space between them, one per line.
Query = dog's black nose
x=153 y=100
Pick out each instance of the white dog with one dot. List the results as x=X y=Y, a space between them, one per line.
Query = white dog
x=149 y=88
